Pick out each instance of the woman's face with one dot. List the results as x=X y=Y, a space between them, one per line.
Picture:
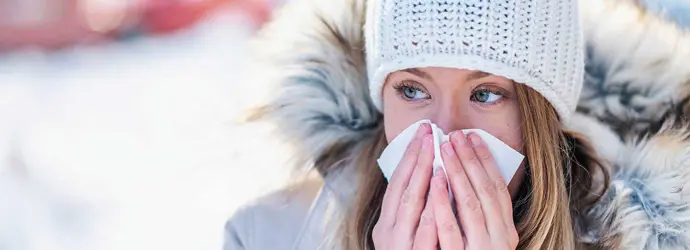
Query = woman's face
x=453 y=99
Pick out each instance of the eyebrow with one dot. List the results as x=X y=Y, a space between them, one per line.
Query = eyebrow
x=419 y=73
x=473 y=76
x=477 y=75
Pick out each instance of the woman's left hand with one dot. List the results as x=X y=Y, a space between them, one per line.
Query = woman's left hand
x=483 y=202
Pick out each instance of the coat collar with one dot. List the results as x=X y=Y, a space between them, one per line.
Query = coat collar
x=321 y=220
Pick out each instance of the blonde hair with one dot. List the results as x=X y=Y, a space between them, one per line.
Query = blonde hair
x=559 y=184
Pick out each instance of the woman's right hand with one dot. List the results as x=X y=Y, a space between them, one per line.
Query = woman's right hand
x=406 y=220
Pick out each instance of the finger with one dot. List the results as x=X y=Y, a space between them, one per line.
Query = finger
x=503 y=196
x=414 y=197
x=426 y=237
x=483 y=187
x=469 y=209
x=400 y=179
x=449 y=234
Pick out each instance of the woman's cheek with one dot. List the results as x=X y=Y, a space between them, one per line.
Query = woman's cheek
x=393 y=118
x=503 y=125
x=397 y=120
x=398 y=115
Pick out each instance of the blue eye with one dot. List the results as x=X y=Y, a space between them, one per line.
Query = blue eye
x=485 y=96
x=413 y=93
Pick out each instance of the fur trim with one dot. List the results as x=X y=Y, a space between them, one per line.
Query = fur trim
x=636 y=97
x=636 y=72
x=646 y=205
x=314 y=52
x=637 y=65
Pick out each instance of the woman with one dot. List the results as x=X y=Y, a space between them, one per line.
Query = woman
x=632 y=110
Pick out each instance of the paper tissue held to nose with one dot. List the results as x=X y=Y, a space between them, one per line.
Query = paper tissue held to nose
x=506 y=158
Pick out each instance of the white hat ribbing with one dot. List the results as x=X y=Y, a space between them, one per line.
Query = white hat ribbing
x=535 y=42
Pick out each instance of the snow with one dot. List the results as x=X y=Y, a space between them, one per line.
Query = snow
x=132 y=145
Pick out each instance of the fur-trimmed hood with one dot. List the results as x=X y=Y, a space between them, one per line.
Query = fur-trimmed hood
x=634 y=107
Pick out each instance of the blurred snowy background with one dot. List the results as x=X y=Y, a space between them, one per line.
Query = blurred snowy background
x=129 y=142
x=117 y=121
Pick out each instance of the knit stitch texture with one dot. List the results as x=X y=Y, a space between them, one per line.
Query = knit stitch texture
x=535 y=42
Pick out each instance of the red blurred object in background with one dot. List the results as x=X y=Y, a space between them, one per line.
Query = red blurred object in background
x=60 y=23
x=43 y=23
x=162 y=16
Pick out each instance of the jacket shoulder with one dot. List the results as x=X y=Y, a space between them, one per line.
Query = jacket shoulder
x=272 y=221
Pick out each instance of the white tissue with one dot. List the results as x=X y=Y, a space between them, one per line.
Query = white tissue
x=506 y=158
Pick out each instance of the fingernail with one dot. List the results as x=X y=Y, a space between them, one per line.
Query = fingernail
x=426 y=141
x=459 y=137
x=448 y=148
x=440 y=179
x=424 y=126
x=476 y=141
x=419 y=131
x=438 y=171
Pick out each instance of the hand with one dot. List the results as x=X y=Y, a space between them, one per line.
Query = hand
x=483 y=202
x=405 y=204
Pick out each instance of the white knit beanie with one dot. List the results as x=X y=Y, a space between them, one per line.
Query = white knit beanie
x=535 y=42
